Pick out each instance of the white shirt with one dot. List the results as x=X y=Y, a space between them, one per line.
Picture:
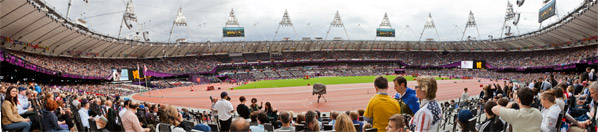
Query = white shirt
x=224 y=108
x=83 y=113
x=122 y=112
x=464 y=96
x=430 y=114
x=549 y=118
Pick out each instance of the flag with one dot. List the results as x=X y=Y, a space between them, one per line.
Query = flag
x=144 y=70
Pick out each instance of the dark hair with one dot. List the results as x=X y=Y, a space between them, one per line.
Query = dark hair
x=133 y=105
x=465 y=89
x=333 y=114
x=253 y=116
x=127 y=103
x=9 y=97
x=526 y=96
x=51 y=105
x=558 y=93
x=381 y=82
x=242 y=98
x=269 y=107
x=503 y=102
x=285 y=117
x=488 y=107
x=262 y=117
x=310 y=117
x=400 y=80
x=253 y=99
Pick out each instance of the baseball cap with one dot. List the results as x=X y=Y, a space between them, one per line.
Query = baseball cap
x=223 y=94
x=83 y=102
x=464 y=115
x=22 y=88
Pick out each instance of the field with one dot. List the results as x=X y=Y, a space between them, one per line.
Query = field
x=311 y=81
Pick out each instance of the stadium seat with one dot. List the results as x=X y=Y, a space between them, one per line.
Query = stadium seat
x=371 y=130
x=299 y=127
x=268 y=127
x=163 y=127
x=214 y=127
x=327 y=127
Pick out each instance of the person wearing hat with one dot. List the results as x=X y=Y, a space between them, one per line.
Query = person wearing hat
x=84 y=113
x=23 y=107
x=463 y=119
x=225 y=110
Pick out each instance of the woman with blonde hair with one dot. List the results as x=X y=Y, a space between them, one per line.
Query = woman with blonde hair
x=430 y=112
x=173 y=117
x=344 y=124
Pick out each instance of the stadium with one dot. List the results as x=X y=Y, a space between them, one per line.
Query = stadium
x=242 y=66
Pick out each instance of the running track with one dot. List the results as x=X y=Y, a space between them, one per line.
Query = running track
x=340 y=97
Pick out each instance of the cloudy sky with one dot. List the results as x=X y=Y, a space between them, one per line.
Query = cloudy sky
x=311 y=18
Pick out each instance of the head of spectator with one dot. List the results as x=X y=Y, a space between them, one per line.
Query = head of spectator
x=239 y=125
x=333 y=115
x=396 y=123
x=426 y=88
x=594 y=91
x=126 y=104
x=51 y=105
x=361 y=111
x=344 y=124
x=488 y=108
x=381 y=84
x=224 y=95
x=285 y=118
x=463 y=119
x=262 y=118
x=558 y=93
x=171 y=116
x=548 y=98
x=84 y=104
x=268 y=107
x=253 y=100
x=300 y=118
x=465 y=90
x=400 y=84
x=525 y=97
x=354 y=116
x=242 y=99
x=366 y=126
x=310 y=120
x=22 y=91
x=253 y=117
x=12 y=94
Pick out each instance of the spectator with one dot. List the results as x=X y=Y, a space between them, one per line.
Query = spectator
x=396 y=123
x=312 y=123
x=300 y=118
x=492 y=123
x=407 y=101
x=11 y=120
x=23 y=105
x=173 y=117
x=64 y=114
x=224 y=109
x=130 y=121
x=546 y=85
x=271 y=112
x=125 y=108
x=285 y=119
x=586 y=75
x=465 y=96
x=524 y=119
x=463 y=120
x=558 y=94
x=344 y=124
x=261 y=119
x=551 y=112
x=367 y=126
x=254 y=106
x=50 y=121
x=381 y=106
x=355 y=118
x=431 y=112
x=333 y=116
x=111 y=117
x=242 y=109
x=239 y=125
x=84 y=114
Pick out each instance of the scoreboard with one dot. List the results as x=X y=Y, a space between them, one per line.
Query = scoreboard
x=477 y=64
x=233 y=32
x=385 y=32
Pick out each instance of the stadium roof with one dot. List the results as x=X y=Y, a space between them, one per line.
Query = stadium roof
x=41 y=29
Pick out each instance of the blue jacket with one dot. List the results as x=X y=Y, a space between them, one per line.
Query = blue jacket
x=409 y=99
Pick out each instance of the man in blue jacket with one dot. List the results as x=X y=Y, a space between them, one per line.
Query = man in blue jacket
x=406 y=96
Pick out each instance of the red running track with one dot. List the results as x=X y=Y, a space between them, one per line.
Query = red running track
x=340 y=97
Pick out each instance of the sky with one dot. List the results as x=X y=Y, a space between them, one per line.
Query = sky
x=311 y=18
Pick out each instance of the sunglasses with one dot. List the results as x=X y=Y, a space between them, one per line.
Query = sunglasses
x=417 y=86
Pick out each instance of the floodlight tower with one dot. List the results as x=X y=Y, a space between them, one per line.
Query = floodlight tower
x=385 y=25
x=471 y=23
x=337 y=22
x=178 y=21
x=429 y=25
x=128 y=17
x=285 y=22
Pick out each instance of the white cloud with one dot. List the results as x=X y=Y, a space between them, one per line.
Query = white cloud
x=260 y=17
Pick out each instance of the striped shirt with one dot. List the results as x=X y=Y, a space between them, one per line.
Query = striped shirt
x=427 y=118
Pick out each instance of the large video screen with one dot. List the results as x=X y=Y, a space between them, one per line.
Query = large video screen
x=467 y=64
x=124 y=74
x=233 y=32
x=547 y=11
x=385 y=32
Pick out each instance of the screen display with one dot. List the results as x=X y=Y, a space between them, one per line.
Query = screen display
x=467 y=64
x=547 y=11
x=124 y=74
x=385 y=32
x=233 y=32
